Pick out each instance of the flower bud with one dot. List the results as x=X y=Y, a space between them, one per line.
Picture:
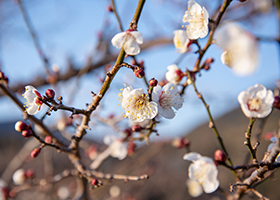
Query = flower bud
x=109 y=8
x=19 y=177
x=35 y=152
x=95 y=182
x=276 y=103
x=153 y=82
x=136 y=128
x=48 y=139
x=27 y=133
x=29 y=173
x=209 y=60
x=220 y=156
x=50 y=93
x=181 y=142
x=20 y=126
x=138 y=72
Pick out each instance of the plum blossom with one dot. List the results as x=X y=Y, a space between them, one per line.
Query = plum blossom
x=197 y=17
x=33 y=103
x=240 y=49
x=174 y=74
x=136 y=104
x=167 y=98
x=19 y=177
x=273 y=140
x=129 y=40
x=181 y=41
x=116 y=147
x=256 y=101
x=203 y=170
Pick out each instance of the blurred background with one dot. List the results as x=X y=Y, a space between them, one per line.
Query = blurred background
x=74 y=38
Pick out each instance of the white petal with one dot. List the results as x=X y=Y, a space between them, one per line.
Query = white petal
x=194 y=188
x=167 y=112
x=192 y=156
x=210 y=186
x=138 y=36
x=131 y=47
x=33 y=109
x=118 y=40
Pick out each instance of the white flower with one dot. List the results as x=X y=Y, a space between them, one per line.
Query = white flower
x=204 y=171
x=256 y=101
x=194 y=188
x=240 y=49
x=136 y=104
x=117 y=147
x=273 y=140
x=129 y=40
x=197 y=17
x=32 y=96
x=167 y=98
x=19 y=177
x=174 y=74
x=181 y=41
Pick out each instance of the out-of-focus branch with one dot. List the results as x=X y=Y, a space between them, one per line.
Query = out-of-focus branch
x=116 y=13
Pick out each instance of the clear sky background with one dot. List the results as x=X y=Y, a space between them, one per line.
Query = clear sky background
x=70 y=28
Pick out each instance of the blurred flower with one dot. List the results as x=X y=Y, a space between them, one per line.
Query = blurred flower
x=256 y=101
x=19 y=177
x=273 y=140
x=181 y=41
x=117 y=147
x=167 y=98
x=63 y=192
x=174 y=74
x=240 y=49
x=137 y=105
x=194 y=188
x=129 y=40
x=203 y=170
x=33 y=103
x=197 y=17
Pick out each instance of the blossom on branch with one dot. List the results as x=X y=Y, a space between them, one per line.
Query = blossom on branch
x=116 y=146
x=174 y=74
x=240 y=49
x=181 y=41
x=19 y=177
x=256 y=101
x=167 y=98
x=129 y=40
x=136 y=104
x=197 y=17
x=203 y=170
x=33 y=103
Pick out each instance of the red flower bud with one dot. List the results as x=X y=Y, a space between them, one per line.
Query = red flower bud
x=35 y=152
x=109 y=8
x=20 y=126
x=29 y=173
x=95 y=182
x=153 y=82
x=136 y=128
x=50 y=93
x=27 y=133
x=276 y=103
x=138 y=72
x=48 y=139
x=220 y=156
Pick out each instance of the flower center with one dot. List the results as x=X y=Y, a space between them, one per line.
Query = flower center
x=254 y=104
x=178 y=43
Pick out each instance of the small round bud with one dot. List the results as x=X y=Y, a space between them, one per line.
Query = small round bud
x=29 y=173
x=35 y=152
x=19 y=177
x=136 y=128
x=95 y=182
x=153 y=82
x=181 y=142
x=276 y=103
x=220 y=156
x=206 y=67
x=50 y=93
x=20 y=126
x=27 y=133
x=109 y=8
x=138 y=72
x=209 y=60
x=48 y=139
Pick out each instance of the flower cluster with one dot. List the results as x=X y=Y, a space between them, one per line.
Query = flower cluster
x=256 y=101
x=138 y=107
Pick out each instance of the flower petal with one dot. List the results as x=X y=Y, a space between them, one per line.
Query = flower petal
x=118 y=40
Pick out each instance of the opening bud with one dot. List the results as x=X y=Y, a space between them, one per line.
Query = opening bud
x=48 y=139
x=20 y=126
x=50 y=93
x=276 y=103
x=138 y=72
x=27 y=133
x=153 y=82
x=35 y=152
x=220 y=156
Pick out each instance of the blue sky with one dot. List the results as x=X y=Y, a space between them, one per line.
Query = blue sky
x=69 y=29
